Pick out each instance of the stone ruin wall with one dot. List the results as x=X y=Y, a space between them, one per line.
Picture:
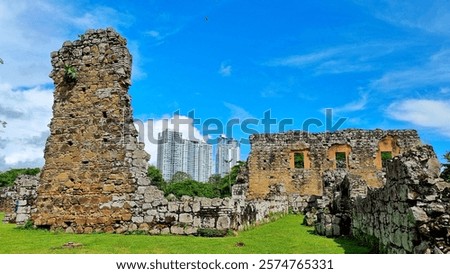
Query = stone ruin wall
x=160 y=215
x=271 y=160
x=411 y=213
x=93 y=162
x=19 y=199
x=94 y=178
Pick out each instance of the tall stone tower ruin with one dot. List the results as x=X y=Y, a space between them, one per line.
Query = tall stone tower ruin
x=93 y=161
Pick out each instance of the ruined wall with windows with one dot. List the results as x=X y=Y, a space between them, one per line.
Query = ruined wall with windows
x=298 y=159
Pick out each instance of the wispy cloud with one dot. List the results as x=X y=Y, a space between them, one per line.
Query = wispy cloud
x=339 y=59
x=435 y=71
x=237 y=111
x=161 y=35
x=425 y=113
x=429 y=16
x=353 y=106
x=225 y=69
x=305 y=59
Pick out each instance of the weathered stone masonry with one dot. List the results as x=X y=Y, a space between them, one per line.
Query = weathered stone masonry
x=19 y=199
x=272 y=159
x=94 y=178
x=93 y=163
x=411 y=213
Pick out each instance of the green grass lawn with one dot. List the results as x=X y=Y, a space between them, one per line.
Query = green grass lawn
x=284 y=236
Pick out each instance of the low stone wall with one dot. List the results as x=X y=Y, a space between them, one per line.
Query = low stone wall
x=411 y=213
x=153 y=213
x=19 y=200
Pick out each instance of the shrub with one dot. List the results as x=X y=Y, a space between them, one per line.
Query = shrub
x=211 y=232
x=7 y=178
x=191 y=188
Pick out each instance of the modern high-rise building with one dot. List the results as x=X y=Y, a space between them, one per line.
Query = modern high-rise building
x=227 y=155
x=170 y=151
x=177 y=154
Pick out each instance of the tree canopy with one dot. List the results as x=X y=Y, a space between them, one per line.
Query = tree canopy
x=182 y=184
x=7 y=178
x=446 y=172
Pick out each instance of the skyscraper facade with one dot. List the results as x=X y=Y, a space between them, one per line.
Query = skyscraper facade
x=227 y=155
x=177 y=154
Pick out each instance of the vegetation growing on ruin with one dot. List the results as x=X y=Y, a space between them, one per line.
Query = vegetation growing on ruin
x=70 y=73
x=284 y=236
x=7 y=178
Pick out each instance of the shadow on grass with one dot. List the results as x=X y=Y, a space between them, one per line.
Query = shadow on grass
x=348 y=243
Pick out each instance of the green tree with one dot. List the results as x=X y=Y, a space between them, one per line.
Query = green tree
x=229 y=180
x=215 y=179
x=191 y=188
x=180 y=176
x=155 y=176
x=446 y=172
x=7 y=178
x=1 y=61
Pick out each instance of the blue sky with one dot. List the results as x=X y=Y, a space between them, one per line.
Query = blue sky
x=379 y=64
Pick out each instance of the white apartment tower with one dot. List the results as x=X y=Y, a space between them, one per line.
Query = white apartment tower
x=176 y=154
x=227 y=155
x=170 y=151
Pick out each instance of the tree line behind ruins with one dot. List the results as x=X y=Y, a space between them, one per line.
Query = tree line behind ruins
x=181 y=183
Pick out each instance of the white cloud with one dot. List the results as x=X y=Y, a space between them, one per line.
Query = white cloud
x=161 y=35
x=429 y=16
x=357 y=105
x=149 y=130
x=27 y=113
x=31 y=30
x=305 y=59
x=155 y=34
x=237 y=111
x=435 y=71
x=339 y=59
x=225 y=69
x=430 y=114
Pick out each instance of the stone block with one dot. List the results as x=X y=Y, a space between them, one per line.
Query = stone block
x=223 y=222
x=146 y=206
x=173 y=206
x=178 y=230
x=196 y=206
x=190 y=230
x=186 y=218
x=417 y=214
x=22 y=218
x=149 y=219
x=137 y=219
